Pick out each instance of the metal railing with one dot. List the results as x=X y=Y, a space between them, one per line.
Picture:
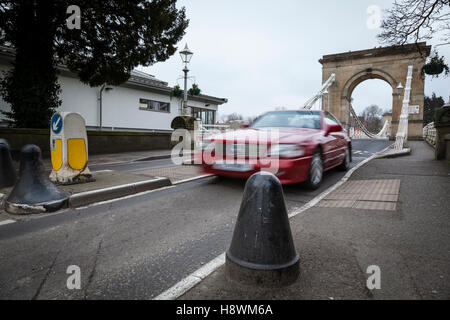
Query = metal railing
x=204 y=130
x=429 y=134
x=209 y=129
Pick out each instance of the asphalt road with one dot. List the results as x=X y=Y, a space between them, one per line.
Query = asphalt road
x=133 y=248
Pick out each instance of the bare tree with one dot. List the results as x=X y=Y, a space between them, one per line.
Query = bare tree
x=250 y=119
x=415 y=21
x=372 y=116
x=231 y=117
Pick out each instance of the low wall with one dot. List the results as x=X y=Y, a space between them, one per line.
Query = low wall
x=415 y=130
x=99 y=142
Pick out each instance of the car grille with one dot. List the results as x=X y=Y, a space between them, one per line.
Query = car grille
x=243 y=150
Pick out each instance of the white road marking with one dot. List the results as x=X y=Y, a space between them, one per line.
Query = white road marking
x=8 y=221
x=196 y=277
x=145 y=192
x=193 y=178
x=191 y=280
x=123 y=198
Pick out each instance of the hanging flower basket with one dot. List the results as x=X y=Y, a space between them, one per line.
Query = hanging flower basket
x=183 y=122
x=436 y=66
x=195 y=90
x=177 y=92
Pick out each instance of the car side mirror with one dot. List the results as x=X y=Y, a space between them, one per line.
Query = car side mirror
x=334 y=128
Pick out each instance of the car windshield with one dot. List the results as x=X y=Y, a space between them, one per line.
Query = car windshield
x=296 y=119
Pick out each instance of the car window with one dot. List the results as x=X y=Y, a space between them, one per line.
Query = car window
x=297 y=119
x=330 y=119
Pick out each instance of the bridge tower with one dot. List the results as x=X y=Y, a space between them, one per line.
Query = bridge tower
x=386 y=63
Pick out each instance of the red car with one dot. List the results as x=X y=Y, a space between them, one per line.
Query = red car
x=304 y=143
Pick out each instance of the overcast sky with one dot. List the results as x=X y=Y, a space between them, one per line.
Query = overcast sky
x=264 y=54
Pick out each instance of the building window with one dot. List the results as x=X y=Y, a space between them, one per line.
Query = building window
x=207 y=116
x=151 y=105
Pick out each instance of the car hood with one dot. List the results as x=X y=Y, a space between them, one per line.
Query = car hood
x=270 y=134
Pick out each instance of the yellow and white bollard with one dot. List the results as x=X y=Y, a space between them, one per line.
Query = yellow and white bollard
x=69 y=148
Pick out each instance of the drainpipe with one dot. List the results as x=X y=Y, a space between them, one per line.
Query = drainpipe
x=100 y=99
x=101 y=107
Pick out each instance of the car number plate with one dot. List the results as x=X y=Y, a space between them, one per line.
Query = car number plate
x=240 y=167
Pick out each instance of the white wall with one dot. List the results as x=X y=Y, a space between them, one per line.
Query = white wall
x=121 y=109
x=80 y=98
x=120 y=106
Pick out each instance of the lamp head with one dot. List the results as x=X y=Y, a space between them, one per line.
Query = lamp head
x=186 y=54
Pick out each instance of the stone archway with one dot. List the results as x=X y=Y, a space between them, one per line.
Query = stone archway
x=389 y=64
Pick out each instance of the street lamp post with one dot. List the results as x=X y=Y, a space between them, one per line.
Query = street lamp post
x=186 y=56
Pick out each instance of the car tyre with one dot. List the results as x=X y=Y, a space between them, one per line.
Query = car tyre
x=315 y=174
x=345 y=165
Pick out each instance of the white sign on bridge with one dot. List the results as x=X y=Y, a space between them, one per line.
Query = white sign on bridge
x=414 y=109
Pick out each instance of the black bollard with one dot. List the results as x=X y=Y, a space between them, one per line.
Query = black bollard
x=7 y=172
x=262 y=251
x=34 y=193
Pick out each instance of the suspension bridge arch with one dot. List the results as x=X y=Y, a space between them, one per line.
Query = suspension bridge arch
x=389 y=64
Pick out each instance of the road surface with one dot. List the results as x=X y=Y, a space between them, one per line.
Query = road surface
x=137 y=247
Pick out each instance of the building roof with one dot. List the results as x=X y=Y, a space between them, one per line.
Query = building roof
x=138 y=80
x=147 y=78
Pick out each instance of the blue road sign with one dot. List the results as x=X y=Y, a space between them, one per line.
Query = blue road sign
x=56 y=123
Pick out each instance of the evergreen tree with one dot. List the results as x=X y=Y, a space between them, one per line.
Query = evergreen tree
x=114 y=37
x=429 y=105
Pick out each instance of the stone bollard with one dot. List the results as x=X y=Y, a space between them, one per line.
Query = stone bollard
x=33 y=192
x=262 y=250
x=7 y=171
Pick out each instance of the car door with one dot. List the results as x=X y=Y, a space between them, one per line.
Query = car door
x=335 y=144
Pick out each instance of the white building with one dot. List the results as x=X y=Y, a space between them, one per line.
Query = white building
x=143 y=103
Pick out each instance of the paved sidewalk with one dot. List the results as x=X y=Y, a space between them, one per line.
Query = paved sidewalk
x=392 y=213
x=129 y=156
x=116 y=157
x=120 y=157
x=110 y=184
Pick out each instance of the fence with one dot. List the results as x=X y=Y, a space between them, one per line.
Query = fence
x=429 y=134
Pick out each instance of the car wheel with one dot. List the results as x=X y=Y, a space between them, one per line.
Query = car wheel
x=345 y=165
x=315 y=174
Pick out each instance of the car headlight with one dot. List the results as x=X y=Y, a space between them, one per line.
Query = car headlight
x=286 y=150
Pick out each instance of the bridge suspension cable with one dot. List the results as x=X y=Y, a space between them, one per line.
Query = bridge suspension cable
x=310 y=103
x=382 y=134
x=360 y=124
x=402 y=131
